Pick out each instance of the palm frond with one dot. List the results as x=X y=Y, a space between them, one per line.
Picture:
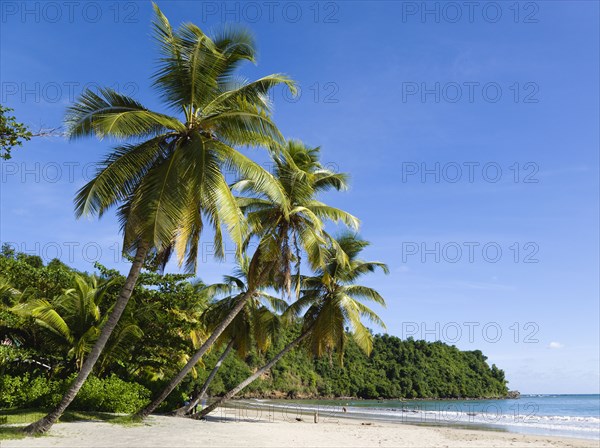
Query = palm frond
x=255 y=92
x=364 y=293
x=333 y=214
x=110 y=114
x=45 y=315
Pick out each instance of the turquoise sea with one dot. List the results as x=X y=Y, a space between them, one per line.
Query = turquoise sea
x=560 y=415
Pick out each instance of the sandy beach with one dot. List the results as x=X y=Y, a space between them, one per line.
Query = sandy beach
x=160 y=431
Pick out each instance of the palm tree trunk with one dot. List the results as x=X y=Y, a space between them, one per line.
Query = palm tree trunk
x=254 y=376
x=195 y=400
x=194 y=359
x=45 y=423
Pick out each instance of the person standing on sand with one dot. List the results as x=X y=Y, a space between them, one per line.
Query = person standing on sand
x=195 y=393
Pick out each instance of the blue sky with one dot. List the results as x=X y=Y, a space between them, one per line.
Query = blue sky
x=471 y=137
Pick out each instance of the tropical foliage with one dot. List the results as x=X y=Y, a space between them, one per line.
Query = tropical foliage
x=167 y=176
x=148 y=341
x=283 y=227
x=257 y=324
x=12 y=133
x=35 y=372
x=332 y=300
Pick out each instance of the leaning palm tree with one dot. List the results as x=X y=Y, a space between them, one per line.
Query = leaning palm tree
x=333 y=301
x=257 y=323
x=169 y=179
x=283 y=226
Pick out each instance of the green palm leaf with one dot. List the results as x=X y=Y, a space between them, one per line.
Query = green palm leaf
x=45 y=315
x=110 y=114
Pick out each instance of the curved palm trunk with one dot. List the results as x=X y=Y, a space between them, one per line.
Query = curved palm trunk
x=253 y=377
x=46 y=422
x=195 y=400
x=194 y=359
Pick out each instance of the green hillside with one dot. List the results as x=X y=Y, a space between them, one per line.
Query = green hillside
x=37 y=360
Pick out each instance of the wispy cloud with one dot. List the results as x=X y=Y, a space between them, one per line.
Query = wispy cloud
x=555 y=345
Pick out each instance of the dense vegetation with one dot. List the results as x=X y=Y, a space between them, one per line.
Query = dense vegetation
x=395 y=369
x=36 y=366
x=108 y=342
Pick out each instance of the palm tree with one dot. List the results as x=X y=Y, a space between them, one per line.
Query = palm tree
x=284 y=225
x=332 y=301
x=74 y=319
x=169 y=179
x=257 y=322
x=14 y=331
x=303 y=178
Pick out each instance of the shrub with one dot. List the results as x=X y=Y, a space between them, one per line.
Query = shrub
x=12 y=392
x=25 y=391
x=110 y=394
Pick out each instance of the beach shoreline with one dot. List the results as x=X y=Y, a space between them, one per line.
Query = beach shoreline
x=527 y=417
x=274 y=431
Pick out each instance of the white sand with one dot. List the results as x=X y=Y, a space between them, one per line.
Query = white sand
x=181 y=432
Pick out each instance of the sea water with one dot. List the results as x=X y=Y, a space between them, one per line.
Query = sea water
x=560 y=415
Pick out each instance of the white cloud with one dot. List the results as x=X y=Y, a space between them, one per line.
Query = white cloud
x=555 y=345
